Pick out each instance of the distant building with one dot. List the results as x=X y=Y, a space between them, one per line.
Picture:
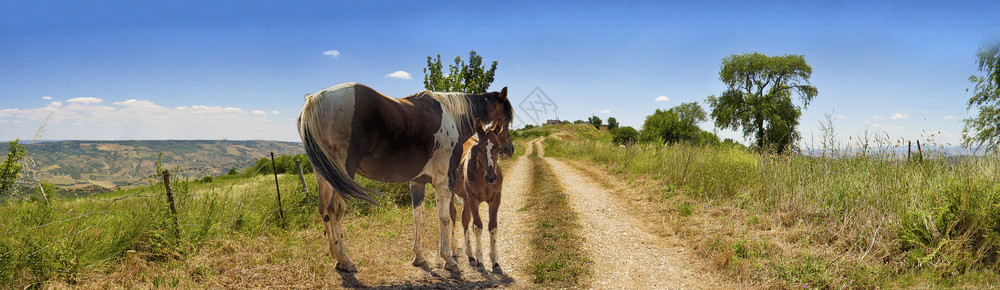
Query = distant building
x=553 y=122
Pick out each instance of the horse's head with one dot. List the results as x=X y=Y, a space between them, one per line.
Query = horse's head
x=486 y=153
x=502 y=115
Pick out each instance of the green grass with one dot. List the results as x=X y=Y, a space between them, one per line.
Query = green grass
x=558 y=260
x=938 y=220
x=40 y=243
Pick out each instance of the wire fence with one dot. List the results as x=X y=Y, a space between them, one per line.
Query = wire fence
x=158 y=194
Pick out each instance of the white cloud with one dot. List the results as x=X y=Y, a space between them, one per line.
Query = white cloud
x=275 y=112
x=46 y=98
x=87 y=100
x=877 y=117
x=332 y=53
x=899 y=116
x=841 y=117
x=662 y=99
x=89 y=119
x=605 y=111
x=399 y=75
x=949 y=117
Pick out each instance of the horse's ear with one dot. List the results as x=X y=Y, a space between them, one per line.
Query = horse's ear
x=503 y=93
x=479 y=128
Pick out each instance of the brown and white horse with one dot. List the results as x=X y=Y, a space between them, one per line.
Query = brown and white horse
x=350 y=128
x=479 y=179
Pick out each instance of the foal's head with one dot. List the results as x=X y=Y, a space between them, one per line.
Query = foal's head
x=486 y=153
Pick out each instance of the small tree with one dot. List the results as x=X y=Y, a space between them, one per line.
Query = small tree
x=624 y=136
x=677 y=124
x=612 y=123
x=984 y=130
x=10 y=169
x=596 y=121
x=472 y=78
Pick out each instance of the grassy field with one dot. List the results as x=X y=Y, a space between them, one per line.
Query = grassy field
x=97 y=240
x=799 y=221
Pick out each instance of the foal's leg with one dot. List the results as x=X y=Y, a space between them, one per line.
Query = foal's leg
x=443 y=196
x=477 y=227
x=331 y=208
x=494 y=207
x=417 y=196
x=466 y=231
x=454 y=216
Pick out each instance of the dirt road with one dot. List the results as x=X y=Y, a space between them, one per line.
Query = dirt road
x=624 y=255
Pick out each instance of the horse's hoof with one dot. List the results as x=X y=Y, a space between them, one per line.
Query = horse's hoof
x=419 y=261
x=472 y=262
x=496 y=268
x=347 y=267
x=452 y=266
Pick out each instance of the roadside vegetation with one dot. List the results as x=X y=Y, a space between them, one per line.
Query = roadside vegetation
x=849 y=219
x=558 y=259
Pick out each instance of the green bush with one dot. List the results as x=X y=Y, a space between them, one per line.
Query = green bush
x=624 y=136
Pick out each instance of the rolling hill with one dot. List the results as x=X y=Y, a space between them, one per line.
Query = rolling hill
x=107 y=164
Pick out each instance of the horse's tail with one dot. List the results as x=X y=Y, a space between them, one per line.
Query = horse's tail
x=320 y=158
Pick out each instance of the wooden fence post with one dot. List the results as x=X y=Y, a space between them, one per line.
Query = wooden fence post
x=170 y=201
x=920 y=153
x=909 y=147
x=274 y=169
x=302 y=176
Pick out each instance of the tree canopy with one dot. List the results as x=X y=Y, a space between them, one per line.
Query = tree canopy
x=613 y=123
x=473 y=77
x=758 y=100
x=982 y=130
x=678 y=124
x=596 y=121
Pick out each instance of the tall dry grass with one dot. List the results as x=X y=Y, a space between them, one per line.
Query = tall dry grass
x=938 y=218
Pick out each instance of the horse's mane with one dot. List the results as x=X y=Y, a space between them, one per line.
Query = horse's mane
x=468 y=107
x=464 y=108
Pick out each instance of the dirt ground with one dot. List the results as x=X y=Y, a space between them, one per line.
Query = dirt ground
x=624 y=254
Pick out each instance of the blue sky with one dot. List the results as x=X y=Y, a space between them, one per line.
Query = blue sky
x=239 y=70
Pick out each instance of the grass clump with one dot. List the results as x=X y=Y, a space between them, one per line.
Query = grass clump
x=558 y=259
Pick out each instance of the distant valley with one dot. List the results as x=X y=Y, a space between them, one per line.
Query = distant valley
x=109 y=164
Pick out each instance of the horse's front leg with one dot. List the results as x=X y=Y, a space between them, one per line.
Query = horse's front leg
x=443 y=198
x=494 y=208
x=477 y=229
x=417 y=196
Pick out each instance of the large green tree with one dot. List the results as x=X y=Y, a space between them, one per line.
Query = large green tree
x=758 y=99
x=678 y=124
x=984 y=130
x=473 y=77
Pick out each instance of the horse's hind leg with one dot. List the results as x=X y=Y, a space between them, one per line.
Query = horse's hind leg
x=331 y=209
x=417 y=196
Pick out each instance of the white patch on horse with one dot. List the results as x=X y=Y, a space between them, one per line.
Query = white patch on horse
x=337 y=104
x=489 y=149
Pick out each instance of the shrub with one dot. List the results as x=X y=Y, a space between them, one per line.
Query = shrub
x=624 y=136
